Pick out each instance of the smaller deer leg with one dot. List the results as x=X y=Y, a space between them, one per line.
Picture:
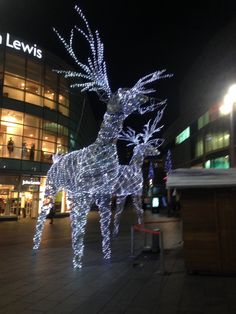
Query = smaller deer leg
x=120 y=202
x=138 y=206
x=104 y=204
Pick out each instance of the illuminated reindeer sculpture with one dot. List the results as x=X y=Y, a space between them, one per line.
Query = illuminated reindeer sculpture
x=130 y=177
x=88 y=173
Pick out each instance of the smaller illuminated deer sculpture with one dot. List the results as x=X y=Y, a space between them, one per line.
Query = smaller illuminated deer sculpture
x=130 y=177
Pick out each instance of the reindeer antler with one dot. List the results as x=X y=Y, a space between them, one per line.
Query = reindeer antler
x=129 y=136
x=94 y=73
x=151 y=128
x=154 y=104
x=140 y=85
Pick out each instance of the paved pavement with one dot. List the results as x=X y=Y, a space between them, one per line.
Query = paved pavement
x=47 y=283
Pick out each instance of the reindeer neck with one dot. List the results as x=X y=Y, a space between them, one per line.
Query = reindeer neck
x=110 y=128
x=137 y=159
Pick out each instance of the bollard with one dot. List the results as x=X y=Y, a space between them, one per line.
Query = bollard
x=141 y=228
x=162 y=255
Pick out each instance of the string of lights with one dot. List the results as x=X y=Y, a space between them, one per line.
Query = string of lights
x=130 y=178
x=88 y=175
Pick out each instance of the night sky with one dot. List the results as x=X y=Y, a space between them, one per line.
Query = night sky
x=139 y=38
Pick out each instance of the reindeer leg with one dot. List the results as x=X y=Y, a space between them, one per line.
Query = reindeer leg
x=78 y=215
x=138 y=206
x=49 y=198
x=104 y=204
x=120 y=202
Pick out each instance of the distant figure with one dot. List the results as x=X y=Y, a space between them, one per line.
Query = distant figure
x=24 y=150
x=32 y=149
x=10 y=146
x=51 y=214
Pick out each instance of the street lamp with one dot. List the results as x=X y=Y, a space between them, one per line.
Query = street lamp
x=228 y=108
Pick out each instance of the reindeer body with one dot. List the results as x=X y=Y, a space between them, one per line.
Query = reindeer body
x=89 y=175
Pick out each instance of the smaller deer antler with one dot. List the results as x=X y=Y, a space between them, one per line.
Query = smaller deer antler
x=151 y=128
x=144 y=137
x=94 y=73
x=129 y=136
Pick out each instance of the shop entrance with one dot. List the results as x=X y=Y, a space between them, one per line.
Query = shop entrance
x=9 y=199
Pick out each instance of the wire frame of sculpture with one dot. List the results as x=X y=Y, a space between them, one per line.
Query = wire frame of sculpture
x=130 y=180
x=89 y=173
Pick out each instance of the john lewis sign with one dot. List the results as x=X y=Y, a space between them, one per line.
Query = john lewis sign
x=16 y=44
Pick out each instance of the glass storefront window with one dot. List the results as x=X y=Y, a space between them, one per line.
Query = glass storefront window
x=203 y=120
x=62 y=141
x=31 y=132
x=32 y=120
x=49 y=93
x=34 y=99
x=22 y=137
x=218 y=163
x=61 y=149
x=34 y=71
x=50 y=126
x=49 y=137
x=13 y=81
x=49 y=103
x=63 y=110
x=199 y=147
x=12 y=116
x=15 y=64
x=32 y=92
x=63 y=100
x=33 y=87
x=22 y=196
x=13 y=93
x=214 y=141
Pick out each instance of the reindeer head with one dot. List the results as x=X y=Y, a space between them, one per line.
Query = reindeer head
x=94 y=76
x=143 y=142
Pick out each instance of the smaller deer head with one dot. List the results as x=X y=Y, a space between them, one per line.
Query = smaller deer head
x=144 y=143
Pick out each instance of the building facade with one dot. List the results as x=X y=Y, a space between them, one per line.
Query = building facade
x=40 y=115
x=204 y=133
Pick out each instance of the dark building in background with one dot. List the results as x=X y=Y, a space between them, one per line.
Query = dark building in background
x=204 y=133
x=40 y=115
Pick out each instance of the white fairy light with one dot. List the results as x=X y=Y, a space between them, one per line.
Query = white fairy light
x=130 y=178
x=89 y=174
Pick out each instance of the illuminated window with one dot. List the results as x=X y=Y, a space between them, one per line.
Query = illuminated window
x=34 y=99
x=182 y=136
x=203 y=120
x=218 y=163
x=13 y=81
x=22 y=137
x=216 y=140
x=13 y=93
x=64 y=110
x=199 y=147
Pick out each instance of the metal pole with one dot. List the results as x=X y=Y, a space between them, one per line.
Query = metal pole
x=232 y=155
x=162 y=257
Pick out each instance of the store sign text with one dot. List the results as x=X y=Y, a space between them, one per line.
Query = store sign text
x=30 y=182
x=20 y=45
